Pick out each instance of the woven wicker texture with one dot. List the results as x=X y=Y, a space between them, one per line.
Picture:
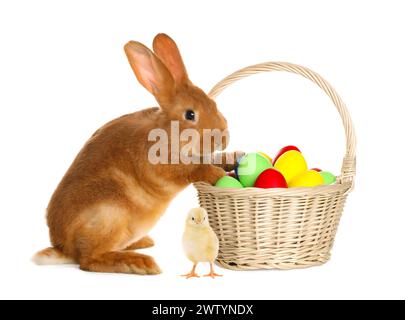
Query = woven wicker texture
x=279 y=228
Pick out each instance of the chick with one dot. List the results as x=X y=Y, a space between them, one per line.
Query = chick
x=200 y=243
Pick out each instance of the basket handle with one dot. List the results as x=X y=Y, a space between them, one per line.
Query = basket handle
x=349 y=161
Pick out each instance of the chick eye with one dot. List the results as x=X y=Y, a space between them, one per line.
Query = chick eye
x=189 y=115
x=192 y=218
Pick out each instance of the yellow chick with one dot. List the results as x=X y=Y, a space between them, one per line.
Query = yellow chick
x=200 y=243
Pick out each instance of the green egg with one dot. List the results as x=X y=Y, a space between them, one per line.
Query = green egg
x=250 y=167
x=328 y=178
x=228 y=182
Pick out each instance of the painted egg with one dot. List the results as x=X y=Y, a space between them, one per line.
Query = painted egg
x=250 y=167
x=284 y=150
x=228 y=182
x=236 y=169
x=308 y=178
x=291 y=164
x=270 y=178
x=266 y=156
x=231 y=174
x=328 y=177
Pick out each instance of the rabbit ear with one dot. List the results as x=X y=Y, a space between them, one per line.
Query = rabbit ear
x=150 y=71
x=167 y=50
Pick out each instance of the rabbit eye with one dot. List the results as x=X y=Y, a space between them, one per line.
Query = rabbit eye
x=190 y=115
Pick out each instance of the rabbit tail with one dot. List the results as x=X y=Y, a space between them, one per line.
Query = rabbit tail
x=51 y=256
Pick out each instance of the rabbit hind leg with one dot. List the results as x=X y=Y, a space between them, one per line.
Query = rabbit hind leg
x=143 y=243
x=121 y=262
x=100 y=243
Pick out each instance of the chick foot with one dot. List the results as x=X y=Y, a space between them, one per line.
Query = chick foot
x=192 y=273
x=212 y=273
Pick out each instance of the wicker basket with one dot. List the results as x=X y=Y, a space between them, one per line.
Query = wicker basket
x=279 y=228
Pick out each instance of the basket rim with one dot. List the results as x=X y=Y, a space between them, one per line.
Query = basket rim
x=289 y=192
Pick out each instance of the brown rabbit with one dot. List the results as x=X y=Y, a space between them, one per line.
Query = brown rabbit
x=112 y=196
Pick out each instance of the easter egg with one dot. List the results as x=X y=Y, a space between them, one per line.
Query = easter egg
x=236 y=169
x=228 y=182
x=231 y=174
x=308 y=178
x=291 y=164
x=270 y=178
x=236 y=172
x=266 y=156
x=328 y=178
x=284 y=150
x=316 y=169
x=250 y=167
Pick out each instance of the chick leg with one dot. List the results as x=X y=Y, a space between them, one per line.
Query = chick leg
x=192 y=273
x=212 y=274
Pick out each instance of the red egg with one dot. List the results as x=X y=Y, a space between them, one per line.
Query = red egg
x=316 y=169
x=270 y=178
x=231 y=174
x=284 y=150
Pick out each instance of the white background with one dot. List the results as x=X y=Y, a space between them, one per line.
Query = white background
x=63 y=74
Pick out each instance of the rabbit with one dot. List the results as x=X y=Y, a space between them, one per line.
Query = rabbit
x=112 y=196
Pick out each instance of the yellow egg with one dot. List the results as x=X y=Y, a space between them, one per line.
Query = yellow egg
x=310 y=178
x=266 y=156
x=291 y=164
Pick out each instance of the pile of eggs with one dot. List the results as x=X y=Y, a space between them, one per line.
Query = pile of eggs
x=288 y=169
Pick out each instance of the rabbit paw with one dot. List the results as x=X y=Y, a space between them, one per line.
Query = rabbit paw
x=207 y=173
x=215 y=173
x=227 y=160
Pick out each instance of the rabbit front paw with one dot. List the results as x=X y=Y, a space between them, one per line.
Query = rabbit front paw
x=208 y=173
x=227 y=160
